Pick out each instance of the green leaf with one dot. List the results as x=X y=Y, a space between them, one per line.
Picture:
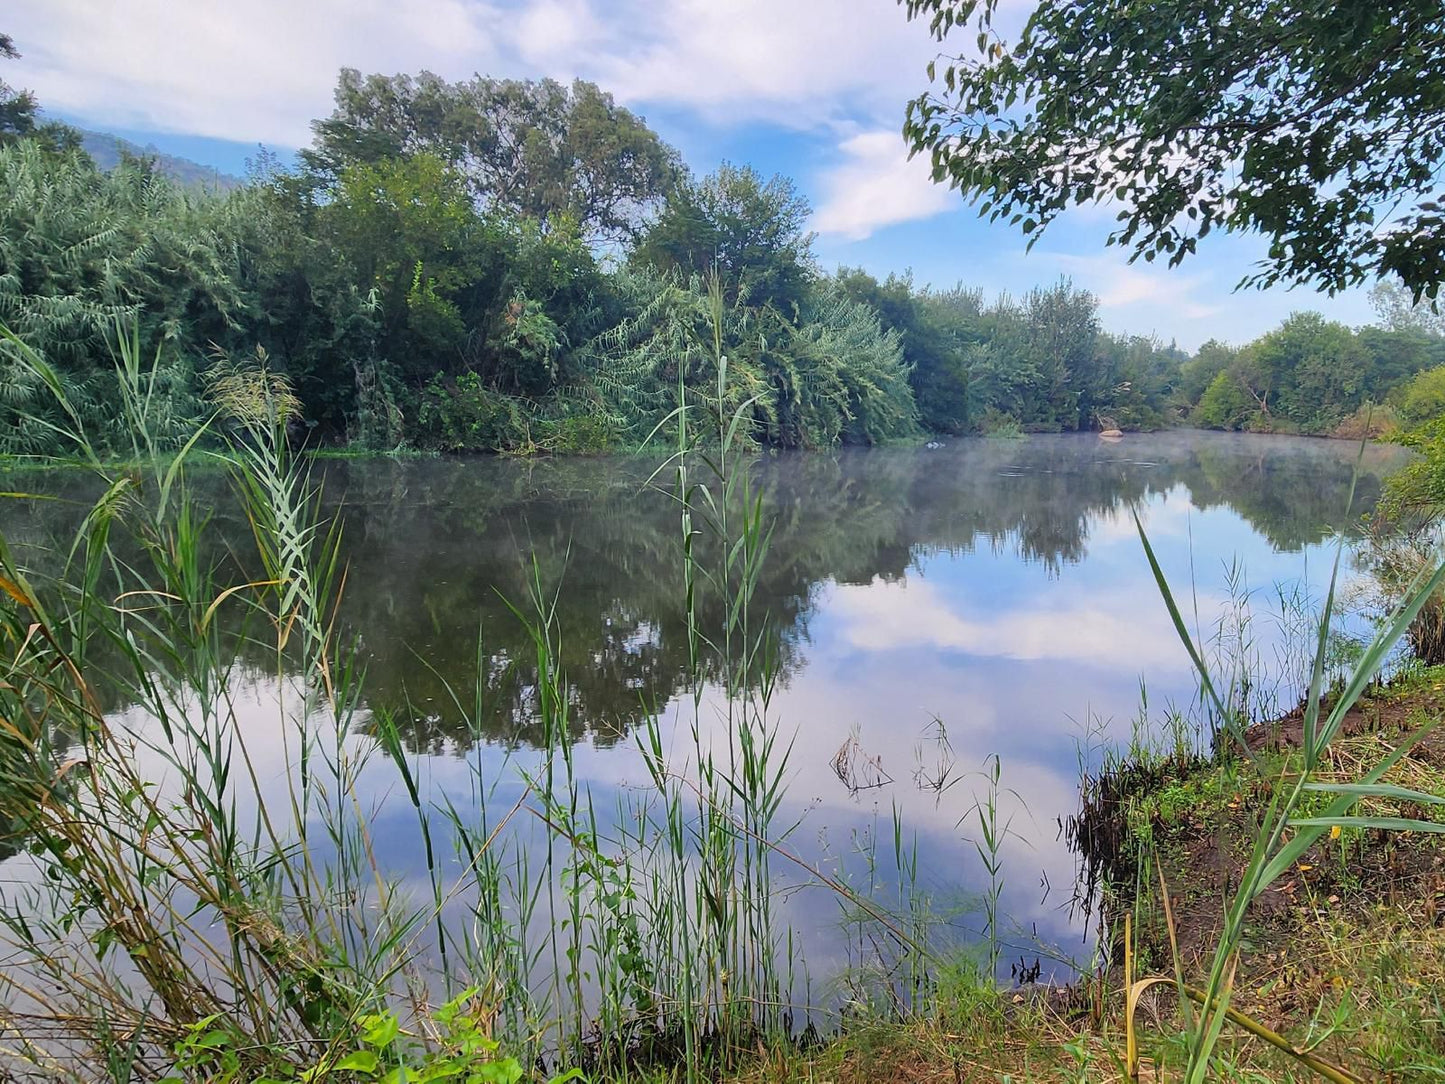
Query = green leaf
x=1378 y=790
x=506 y=1071
x=1227 y=719
x=380 y=1030
x=1388 y=824
x=359 y=1061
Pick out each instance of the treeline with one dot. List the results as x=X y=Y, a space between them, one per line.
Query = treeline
x=525 y=266
x=1311 y=375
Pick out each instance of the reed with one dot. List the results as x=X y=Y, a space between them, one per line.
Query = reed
x=189 y=909
x=1287 y=829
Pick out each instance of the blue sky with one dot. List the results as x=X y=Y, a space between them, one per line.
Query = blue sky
x=811 y=88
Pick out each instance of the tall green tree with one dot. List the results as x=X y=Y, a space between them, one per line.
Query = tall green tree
x=751 y=232
x=1138 y=380
x=1316 y=367
x=17 y=107
x=317 y=318
x=935 y=328
x=1305 y=376
x=1317 y=125
x=1062 y=332
x=1399 y=310
x=533 y=148
x=410 y=231
x=1199 y=372
x=18 y=119
x=1394 y=357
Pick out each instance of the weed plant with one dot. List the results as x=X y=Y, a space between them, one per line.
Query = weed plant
x=1288 y=826
x=190 y=908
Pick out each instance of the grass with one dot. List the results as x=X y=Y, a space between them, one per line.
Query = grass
x=1345 y=956
x=179 y=914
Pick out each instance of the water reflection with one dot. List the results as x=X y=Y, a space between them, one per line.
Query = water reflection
x=438 y=550
x=937 y=606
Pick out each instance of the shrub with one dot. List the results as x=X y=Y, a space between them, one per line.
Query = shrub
x=578 y=434
x=464 y=415
x=996 y=423
x=1423 y=397
x=1224 y=404
x=1372 y=421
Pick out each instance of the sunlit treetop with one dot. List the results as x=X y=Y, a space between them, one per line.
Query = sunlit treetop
x=1319 y=124
x=17 y=108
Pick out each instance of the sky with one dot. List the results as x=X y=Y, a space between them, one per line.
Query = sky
x=814 y=89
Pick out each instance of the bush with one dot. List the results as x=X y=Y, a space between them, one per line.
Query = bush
x=1224 y=404
x=1372 y=421
x=995 y=423
x=578 y=434
x=1139 y=418
x=466 y=416
x=1424 y=397
x=1262 y=422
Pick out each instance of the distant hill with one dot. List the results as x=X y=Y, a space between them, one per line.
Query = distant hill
x=107 y=149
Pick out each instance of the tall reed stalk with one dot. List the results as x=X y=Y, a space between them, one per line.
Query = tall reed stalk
x=172 y=882
x=1284 y=835
x=204 y=896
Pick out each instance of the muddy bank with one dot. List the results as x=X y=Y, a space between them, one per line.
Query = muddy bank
x=1363 y=906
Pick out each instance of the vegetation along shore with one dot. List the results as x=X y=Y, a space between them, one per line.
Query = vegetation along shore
x=364 y=718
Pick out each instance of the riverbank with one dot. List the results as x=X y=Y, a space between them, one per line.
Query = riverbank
x=657 y=450
x=435 y=550
x=1344 y=956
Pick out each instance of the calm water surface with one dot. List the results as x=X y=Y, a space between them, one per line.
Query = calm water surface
x=938 y=606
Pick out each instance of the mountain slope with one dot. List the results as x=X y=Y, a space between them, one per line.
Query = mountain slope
x=107 y=150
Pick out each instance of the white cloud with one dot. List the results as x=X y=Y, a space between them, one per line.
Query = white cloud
x=1168 y=515
x=261 y=70
x=878 y=185
x=1119 y=284
x=799 y=62
x=885 y=616
x=555 y=35
x=254 y=71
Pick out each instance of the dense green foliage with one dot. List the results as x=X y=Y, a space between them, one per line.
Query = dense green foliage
x=1308 y=376
x=526 y=267
x=536 y=150
x=1315 y=125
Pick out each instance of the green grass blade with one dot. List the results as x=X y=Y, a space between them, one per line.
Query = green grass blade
x=1226 y=716
x=1377 y=790
x=1389 y=824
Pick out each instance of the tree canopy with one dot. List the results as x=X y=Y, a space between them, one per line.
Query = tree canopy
x=1318 y=125
x=1399 y=311
x=533 y=148
x=17 y=108
x=750 y=231
x=18 y=113
x=415 y=296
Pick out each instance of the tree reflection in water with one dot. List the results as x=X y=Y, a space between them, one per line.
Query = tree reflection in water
x=437 y=549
